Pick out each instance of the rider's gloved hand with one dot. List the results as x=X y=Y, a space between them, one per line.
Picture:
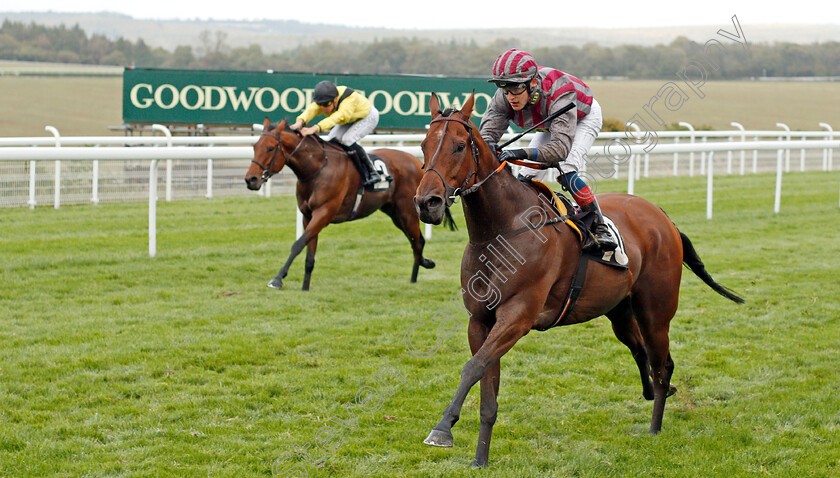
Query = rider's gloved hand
x=509 y=154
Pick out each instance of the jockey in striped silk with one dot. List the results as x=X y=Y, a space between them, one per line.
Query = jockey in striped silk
x=528 y=94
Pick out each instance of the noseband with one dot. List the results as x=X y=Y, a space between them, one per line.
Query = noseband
x=450 y=192
x=266 y=170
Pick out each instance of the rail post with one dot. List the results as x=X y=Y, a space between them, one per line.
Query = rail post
x=828 y=152
x=743 y=138
x=787 y=138
x=691 y=154
x=57 y=187
x=780 y=159
x=163 y=129
x=710 y=179
x=153 y=180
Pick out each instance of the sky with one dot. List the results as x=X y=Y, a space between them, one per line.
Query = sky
x=447 y=14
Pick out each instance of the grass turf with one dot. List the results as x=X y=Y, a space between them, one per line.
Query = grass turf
x=115 y=364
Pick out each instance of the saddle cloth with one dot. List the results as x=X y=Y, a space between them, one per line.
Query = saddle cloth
x=385 y=182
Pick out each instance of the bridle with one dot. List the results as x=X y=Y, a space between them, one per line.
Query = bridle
x=450 y=192
x=266 y=170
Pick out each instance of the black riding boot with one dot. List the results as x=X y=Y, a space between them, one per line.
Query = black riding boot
x=603 y=237
x=371 y=175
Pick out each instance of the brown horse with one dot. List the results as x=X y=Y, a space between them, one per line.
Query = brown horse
x=327 y=189
x=526 y=286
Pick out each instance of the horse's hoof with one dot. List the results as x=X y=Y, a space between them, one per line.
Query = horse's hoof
x=476 y=465
x=439 y=438
x=276 y=283
x=672 y=389
x=427 y=263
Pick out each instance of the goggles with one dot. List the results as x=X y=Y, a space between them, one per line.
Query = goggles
x=512 y=88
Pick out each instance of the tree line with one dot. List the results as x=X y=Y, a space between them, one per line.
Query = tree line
x=32 y=42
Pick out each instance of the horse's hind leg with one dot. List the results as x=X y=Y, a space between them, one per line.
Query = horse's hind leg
x=410 y=226
x=654 y=324
x=626 y=329
x=661 y=367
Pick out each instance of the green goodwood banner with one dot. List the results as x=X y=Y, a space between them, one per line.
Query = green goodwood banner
x=245 y=98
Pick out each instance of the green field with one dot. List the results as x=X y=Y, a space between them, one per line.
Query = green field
x=87 y=106
x=115 y=364
x=76 y=106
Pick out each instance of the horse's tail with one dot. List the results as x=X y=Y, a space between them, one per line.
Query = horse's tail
x=448 y=221
x=692 y=260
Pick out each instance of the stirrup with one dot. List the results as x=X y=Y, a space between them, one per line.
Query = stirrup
x=373 y=178
x=604 y=238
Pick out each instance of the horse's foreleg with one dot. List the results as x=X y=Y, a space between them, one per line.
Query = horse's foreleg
x=310 y=262
x=319 y=220
x=489 y=409
x=501 y=338
x=441 y=434
x=297 y=247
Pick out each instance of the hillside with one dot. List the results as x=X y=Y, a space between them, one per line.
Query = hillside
x=277 y=36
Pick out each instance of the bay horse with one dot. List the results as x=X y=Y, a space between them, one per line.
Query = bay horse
x=327 y=188
x=526 y=287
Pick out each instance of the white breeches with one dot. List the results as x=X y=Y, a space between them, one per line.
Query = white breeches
x=350 y=133
x=585 y=133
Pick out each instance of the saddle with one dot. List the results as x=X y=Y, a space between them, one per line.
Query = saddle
x=581 y=222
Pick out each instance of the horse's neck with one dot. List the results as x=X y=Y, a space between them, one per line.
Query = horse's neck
x=495 y=207
x=306 y=160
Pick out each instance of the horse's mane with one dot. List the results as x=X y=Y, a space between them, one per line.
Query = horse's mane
x=272 y=126
x=288 y=129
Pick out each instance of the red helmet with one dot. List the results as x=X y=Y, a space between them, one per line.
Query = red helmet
x=514 y=66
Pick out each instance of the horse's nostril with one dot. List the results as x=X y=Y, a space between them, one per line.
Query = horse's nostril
x=434 y=202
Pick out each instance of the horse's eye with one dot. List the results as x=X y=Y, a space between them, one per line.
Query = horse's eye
x=460 y=147
x=270 y=149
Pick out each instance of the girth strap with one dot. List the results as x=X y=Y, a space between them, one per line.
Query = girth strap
x=574 y=291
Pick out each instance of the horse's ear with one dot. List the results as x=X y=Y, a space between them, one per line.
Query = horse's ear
x=467 y=109
x=266 y=124
x=282 y=125
x=434 y=105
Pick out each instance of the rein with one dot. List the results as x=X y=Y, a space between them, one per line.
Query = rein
x=266 y=170
x=451 y=192
x=532 y=165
